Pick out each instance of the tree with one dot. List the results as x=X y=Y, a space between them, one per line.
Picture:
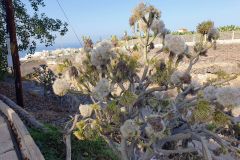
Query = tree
x=31 y=28
x=145 y=105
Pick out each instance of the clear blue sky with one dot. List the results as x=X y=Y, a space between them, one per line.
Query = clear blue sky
x=102 y=18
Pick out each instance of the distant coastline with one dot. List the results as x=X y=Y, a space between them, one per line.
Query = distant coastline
x=41 y=48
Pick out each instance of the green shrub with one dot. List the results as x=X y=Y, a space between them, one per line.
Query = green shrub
x=204 y=27
x=52 y=146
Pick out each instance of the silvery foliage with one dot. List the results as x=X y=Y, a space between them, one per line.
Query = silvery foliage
x=144 y=106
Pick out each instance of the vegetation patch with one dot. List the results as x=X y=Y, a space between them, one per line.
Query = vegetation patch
x=52 y=146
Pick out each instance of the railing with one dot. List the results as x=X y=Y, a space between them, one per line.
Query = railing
x=225 y=38
x=232 y=35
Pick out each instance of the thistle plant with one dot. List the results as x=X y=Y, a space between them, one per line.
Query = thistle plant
x=133 y=109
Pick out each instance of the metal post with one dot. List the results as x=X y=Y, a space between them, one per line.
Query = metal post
x=14 y=50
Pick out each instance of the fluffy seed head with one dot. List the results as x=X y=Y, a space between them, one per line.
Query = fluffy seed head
x=175 y=44
x=60 y=87
x=102 y=89
x=176 y=77
x=213 y=34
x=236 y=111
x=85 y=110
x=101 y=54
x=158 y=26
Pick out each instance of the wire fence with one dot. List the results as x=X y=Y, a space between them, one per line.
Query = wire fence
x=232 y=35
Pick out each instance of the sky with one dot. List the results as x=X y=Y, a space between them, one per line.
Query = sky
x=100 y=19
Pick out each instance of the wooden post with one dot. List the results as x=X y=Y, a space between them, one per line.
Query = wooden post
x=194 y=38
x=11 y=27
x=205 y=38
x=233 y=35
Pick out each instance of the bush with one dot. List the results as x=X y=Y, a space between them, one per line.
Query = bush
x=53 y=148
x=229 y=28
x=133 y=110
x=44 y=76
x=204 y=27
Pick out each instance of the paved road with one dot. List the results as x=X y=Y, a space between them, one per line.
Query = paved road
x=16 y=142
x=7 y=147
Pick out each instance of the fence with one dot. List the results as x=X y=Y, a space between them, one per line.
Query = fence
x=225 y=38
x=232 y=35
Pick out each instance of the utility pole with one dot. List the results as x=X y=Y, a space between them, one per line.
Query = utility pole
x=11 y=27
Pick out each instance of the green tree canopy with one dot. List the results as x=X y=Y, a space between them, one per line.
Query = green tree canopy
x=31 y=28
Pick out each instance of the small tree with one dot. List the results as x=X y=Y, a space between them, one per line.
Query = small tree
x=133 y=109
x=31 y=28
x=44 y=76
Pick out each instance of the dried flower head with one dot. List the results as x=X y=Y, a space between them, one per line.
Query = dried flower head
x=60 y=87
x=88 y=44
x=102 y=53
x=130 y=129
x=154 y=11
x=213 y=34
x=102 y=89
x=236 y=111
x=177 y=77
x=175 y=44
x=139 y=11
x=85 y=110
x=158 y=26
x=132 y=20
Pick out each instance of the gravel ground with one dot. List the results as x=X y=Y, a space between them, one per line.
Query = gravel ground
x=42 y=108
